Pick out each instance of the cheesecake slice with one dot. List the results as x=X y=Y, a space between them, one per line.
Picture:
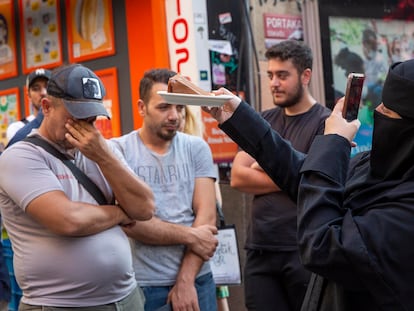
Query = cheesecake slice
x=180 y=84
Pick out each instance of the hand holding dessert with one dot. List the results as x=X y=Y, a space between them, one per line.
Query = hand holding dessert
x=180 y=84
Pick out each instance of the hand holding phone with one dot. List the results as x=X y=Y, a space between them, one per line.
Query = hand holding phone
x=354 y=85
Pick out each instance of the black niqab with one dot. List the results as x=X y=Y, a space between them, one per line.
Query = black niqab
x=392 y=154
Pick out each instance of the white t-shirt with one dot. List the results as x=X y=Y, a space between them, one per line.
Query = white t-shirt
x=55 y=270
x=171 y=177
x=15 y=126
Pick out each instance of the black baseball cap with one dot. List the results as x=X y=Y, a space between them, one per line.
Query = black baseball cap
x=38 y=73
x=81 y=90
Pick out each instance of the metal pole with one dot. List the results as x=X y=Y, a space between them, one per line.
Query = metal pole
x=249 y=59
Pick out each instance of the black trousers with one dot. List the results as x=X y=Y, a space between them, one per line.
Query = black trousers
x=274 y=281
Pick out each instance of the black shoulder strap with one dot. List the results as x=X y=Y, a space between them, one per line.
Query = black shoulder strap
x=220 y=215
x=83 y=179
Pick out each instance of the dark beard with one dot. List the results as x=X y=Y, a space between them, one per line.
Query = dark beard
x=292 y=100
x=168 y=136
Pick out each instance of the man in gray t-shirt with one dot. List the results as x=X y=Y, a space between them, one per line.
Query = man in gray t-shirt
x=171 y=249
x=69 y=251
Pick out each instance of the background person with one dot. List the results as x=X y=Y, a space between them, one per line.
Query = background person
x=171 y=251
x=36 y=83
x=273 y=273
x=375 y=66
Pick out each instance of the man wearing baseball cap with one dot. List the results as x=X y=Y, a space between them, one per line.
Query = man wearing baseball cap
x=70 y=251
x=36 y=83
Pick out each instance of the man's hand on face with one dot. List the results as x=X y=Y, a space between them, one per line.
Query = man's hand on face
x=83 y=135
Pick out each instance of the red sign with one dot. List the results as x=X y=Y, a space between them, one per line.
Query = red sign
x=282 y=26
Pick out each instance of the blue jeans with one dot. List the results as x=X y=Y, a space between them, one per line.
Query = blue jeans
x=156 y=296
x=5 y=290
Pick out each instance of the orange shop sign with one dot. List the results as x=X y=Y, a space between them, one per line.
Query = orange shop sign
x=223 y=148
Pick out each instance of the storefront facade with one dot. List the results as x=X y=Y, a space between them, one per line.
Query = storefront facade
x=138 y=35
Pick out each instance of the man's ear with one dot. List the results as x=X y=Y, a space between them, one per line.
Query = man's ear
x=46 y=104
x=306 y=76
x=141 y=107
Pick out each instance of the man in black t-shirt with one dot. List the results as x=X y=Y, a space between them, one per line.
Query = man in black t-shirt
x=274 y=275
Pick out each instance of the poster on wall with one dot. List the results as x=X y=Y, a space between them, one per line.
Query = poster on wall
x=90 y=29
x=224 y=35
x=40 y=32
x=9 y=112
x=8 y=63
x=109 y=128
x=278 y=27
x=368 y=46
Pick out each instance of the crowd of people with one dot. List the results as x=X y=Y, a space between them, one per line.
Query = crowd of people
x=129 y=223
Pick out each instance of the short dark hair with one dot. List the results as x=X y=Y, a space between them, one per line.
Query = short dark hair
x=150 y=78
x=368 y=34
x=349 y=61
x=296 y=51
